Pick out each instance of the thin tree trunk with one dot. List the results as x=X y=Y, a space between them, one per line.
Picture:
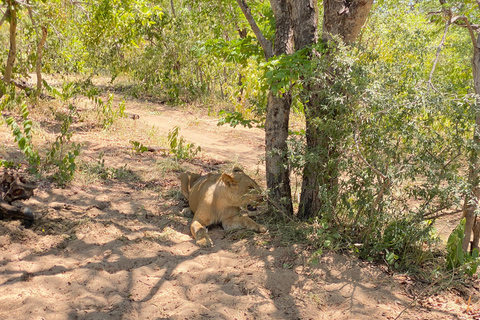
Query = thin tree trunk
x=264 y=43
x=173 y=9
x=41 y=42
x=13 y=43
x=242 y=33
x=305 y=22
x=40 y=45
x=471 y=200
x=476 y=235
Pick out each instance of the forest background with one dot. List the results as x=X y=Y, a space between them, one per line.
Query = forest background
x=389 y=103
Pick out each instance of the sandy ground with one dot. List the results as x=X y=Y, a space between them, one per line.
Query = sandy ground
x=117 y=247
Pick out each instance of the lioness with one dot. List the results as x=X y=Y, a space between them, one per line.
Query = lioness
x=217 y=198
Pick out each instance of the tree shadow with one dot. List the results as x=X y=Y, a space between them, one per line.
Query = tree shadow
x=114 y=264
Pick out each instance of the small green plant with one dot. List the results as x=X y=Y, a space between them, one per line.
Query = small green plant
x=69 y=90
x=67 y=166
x=456 y=257
x=105 y=172
x=138 y=147
x=59 y=155
x=105 y=111
x=100 y=168
x=9 y=164
x=24 y=138
x=179 y=148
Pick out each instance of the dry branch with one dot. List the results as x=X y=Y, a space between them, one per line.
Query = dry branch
x=4 y=17
x=430 y=216
x=439 y=50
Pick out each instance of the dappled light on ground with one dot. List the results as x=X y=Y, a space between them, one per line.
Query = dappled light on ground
x=113 y=245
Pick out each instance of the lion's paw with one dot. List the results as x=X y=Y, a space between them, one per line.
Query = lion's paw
x=205 y=242
x=187 y=213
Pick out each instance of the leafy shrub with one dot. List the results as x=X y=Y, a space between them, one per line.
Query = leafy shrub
x=8 y=164
x=394 y=156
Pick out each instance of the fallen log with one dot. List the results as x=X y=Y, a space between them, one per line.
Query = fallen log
x=15 y=187
x=29 y=90
x=132 y=116
x=8 y=211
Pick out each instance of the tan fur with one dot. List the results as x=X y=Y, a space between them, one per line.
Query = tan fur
x=217 y=198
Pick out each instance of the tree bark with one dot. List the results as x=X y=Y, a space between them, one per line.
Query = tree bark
x=305 y=23
x=476 y=235
x=277 y=119
x=13 y=42
x=41 y=42
x=283 y=27
x=276 y=134
x=344 y=19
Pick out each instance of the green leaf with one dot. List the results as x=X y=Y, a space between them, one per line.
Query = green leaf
x=22 y=143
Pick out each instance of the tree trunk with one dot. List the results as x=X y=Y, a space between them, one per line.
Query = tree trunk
x=277 y=119
x=276 y=134
x=40 y=45
x=471 y=200
x=13 y=43
x=476 y=235
x=305 y=23
x=316 y=160
x=345 y=20
x=278 y=108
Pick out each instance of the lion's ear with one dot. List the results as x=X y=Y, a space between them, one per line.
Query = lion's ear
x=237 y=169
x=228 y=180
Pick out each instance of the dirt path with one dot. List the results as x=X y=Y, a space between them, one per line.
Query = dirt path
x=239 y=145
x=116 y=247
